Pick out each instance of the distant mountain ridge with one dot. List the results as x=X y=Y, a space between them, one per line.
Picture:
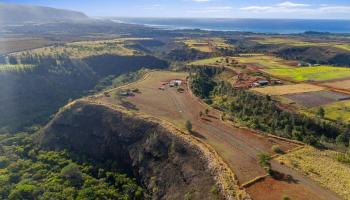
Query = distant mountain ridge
x=19 y=14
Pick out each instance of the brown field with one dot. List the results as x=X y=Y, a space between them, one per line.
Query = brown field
x=288 y=89
x=11 y=45
x=238 y=147
x=319 y=98
x=343 y=84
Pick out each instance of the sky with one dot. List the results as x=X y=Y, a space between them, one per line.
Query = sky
x=293 y=9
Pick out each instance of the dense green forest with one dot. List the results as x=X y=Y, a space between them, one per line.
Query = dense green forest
x=27 y=172
x=262 y=113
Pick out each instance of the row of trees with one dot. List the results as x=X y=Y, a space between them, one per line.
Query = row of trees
x=261 y=112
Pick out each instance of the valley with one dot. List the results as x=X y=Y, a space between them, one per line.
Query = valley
x=91 y=108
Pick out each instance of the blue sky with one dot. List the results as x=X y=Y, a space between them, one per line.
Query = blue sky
x=315 y=9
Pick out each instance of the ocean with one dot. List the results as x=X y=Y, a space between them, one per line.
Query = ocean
x=281 y=26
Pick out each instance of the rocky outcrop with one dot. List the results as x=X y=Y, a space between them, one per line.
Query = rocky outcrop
x=169 y=164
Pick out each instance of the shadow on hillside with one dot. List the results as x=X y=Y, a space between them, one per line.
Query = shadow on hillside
x=198 y=135
x=284 y=177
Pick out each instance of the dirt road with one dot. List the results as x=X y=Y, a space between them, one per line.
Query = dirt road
x=238 y=147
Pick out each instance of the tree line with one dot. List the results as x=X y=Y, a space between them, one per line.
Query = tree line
x=261 y=112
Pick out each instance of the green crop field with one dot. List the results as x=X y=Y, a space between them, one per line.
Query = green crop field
x=15 y=68
x=317 y=73
x=282 y=68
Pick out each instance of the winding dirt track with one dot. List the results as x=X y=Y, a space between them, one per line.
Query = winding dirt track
x=238 y=147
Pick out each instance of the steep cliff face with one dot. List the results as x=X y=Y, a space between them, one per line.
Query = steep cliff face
x=166 y=164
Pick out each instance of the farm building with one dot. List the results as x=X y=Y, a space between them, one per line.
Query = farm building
x=174 y=83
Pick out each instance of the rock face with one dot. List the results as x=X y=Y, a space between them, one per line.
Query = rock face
x=166 y=165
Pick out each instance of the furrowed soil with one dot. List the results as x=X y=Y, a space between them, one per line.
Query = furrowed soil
x=237 y=146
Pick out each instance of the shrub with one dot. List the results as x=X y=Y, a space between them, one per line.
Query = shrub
x=285 y=198
x=188 y=126
x=214 y=190
x=277 y=149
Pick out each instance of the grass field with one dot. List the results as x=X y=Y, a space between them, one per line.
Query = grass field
x=287 y=41
x=282 y=68
x=319 y=73
x=300 y=43
x=335 y=111
x=288 y=89
x=209 y=61
x=207 y=45
x=85 y=49
x=263 y=61
x=322 y=167
x=15 y=68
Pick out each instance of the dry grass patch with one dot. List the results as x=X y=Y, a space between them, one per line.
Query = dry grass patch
x=322 y=167
x=10 y=45
x=85 y=49
x=288 y=89
x=208 y=45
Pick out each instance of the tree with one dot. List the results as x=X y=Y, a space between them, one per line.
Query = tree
x=188 y=126
x=264 y=161
x=23 y=191
x=342 y=139
x=73 y=174
x=321 y=112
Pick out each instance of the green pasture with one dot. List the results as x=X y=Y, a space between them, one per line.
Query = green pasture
x=317 y=73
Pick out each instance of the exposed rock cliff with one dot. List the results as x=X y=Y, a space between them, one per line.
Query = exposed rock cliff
x=169 y=163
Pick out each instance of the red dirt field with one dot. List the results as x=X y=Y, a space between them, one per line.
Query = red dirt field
x=238 y=147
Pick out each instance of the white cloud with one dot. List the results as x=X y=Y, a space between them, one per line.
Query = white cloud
x=257 y=8
x=290 y=7
x=289 y=4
